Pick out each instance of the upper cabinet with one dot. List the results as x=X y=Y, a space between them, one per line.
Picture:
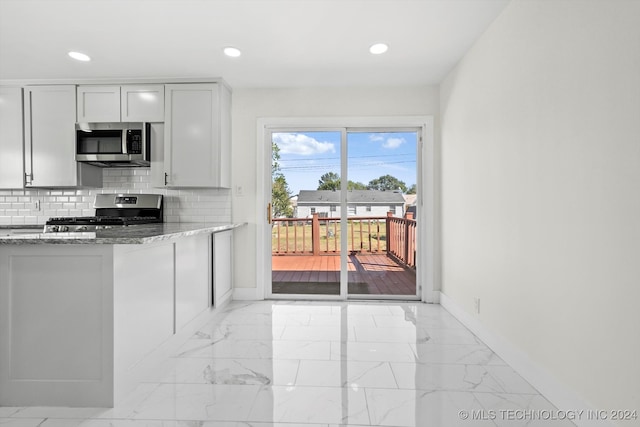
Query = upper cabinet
x=129 y=103
x=49 y=146
x=197 y=143
x=11 y=138
x=98 y=104
x=144 y=103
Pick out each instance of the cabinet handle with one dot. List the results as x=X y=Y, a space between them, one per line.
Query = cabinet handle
x=166 y=178
x=28 y=178
x=269 y=213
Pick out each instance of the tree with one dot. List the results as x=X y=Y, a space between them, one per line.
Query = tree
x=387 y=183
x=355 y=186
x=412 y=189
x=280 y=198
x=329 y=181
x=280 y=193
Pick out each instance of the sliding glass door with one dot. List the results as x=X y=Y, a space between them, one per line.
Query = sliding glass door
x=343 y=213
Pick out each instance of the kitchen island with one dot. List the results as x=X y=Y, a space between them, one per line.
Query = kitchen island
x=79 y=311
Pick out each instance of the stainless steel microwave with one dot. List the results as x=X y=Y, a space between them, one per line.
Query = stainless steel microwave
x=113 y=144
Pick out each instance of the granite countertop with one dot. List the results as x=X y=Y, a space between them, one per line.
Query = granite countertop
x=133 y=234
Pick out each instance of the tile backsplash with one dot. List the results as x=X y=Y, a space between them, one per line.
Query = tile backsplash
x=35 y=206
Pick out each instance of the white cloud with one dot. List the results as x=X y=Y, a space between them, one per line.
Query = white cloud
x=393 y=142
x=375 y=137
x=299 y=143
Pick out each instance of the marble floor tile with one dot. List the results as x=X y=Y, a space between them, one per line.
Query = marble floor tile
x=6 y=411
x=420 y=376
x=352 y=374
x=21 y=422
x=372 y=352
x=475 y=354
x=226 y=349
x=390 y=335
x=317 y=364
x=339 y=319
x=298 y=404
x=183 y=370
x=416 y=408
x=519 y=410
x=510 y=381
x=307 y=350
x=318 y=333
x=229 y=331
x=164 y=423
x=219 y=402
x=448 y=336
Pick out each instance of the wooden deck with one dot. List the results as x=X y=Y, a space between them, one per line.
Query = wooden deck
x=374 y=274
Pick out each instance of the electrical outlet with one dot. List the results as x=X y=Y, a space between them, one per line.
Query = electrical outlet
x=37 y=205
x=476 y=305
x=239 y=190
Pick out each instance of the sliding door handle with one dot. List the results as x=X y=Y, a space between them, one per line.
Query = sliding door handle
x=269 y=213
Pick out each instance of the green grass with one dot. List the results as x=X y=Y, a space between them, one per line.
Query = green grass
x=362 y=235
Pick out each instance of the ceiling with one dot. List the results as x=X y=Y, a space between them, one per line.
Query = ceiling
x=284 y=43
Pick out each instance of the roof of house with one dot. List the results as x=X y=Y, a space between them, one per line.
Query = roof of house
x=370 y=197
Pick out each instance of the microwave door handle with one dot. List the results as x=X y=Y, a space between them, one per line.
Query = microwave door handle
x=124 y=141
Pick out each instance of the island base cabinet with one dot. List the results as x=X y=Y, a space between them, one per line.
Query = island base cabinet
x=222 y=268
x=143 y=297
x=56 y=317
x=77 y=320
x=193 y=276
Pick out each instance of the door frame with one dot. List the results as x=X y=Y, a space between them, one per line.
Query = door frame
x=427 y=288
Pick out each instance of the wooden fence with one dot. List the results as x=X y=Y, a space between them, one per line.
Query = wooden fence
x=321 y=236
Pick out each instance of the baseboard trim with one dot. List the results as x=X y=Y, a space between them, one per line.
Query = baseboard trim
x=556 y=392
x=245 y=294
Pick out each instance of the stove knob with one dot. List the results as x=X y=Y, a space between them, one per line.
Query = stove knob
x=53 y=228
x=81 y=228
x=64 y=228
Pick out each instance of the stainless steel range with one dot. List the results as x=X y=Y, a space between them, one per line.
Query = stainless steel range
x=112 y=210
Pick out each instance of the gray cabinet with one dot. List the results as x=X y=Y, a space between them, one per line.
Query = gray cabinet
x=11 y=138
x=197 y=143
x=49 y=113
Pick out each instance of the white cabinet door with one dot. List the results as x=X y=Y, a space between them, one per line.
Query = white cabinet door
x=193 y=277
x=50 y=147
x=11 y=138
x=143 y=103
x=196 y=140
x=222 y=267
x=98 y=104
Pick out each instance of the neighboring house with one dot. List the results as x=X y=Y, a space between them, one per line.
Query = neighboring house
x=362 y=203
x=410 y=204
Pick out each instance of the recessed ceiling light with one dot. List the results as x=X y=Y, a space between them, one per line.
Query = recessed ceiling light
x=79 y=56
x=378 y=48
x=232 y=52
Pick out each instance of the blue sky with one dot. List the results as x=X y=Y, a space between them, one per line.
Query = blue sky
x=306 y=156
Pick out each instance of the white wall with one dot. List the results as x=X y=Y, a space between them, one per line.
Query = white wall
x=251 y=104
x=541 y=190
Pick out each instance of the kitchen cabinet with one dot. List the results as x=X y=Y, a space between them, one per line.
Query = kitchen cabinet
x=142 y=103
x=86 y=315
x=127 y=103
x=222 y=267
x=11 y=138
x=197 y=142
x=50 y=148
x=97 y=104
x=192 y=277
